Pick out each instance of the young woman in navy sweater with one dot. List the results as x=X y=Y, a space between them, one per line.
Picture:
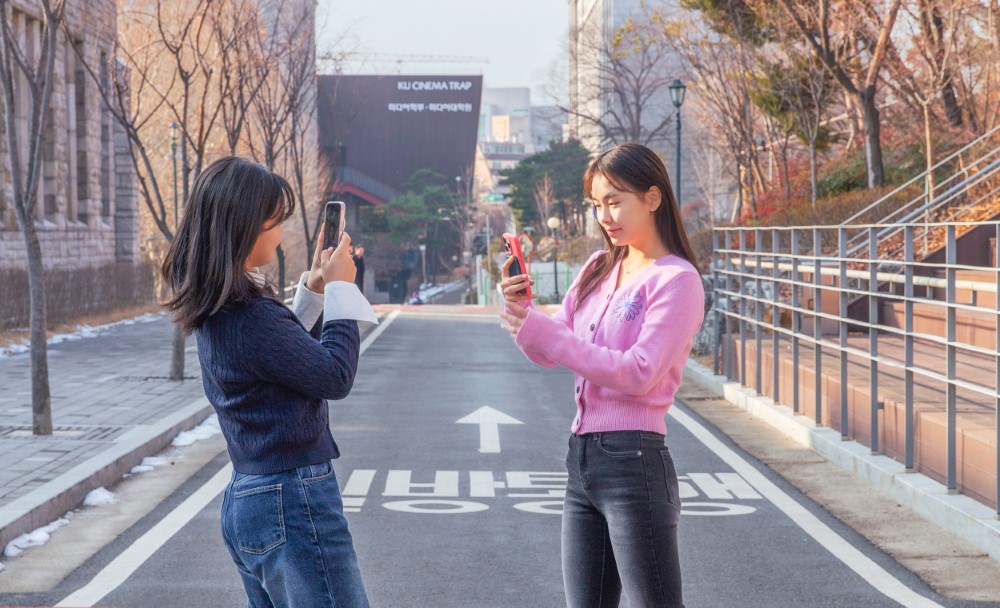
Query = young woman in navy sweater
x=268 y=372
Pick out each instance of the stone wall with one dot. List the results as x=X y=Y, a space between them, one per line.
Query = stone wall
x=87 y=216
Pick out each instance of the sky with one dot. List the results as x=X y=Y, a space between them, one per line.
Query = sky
x=521 y=38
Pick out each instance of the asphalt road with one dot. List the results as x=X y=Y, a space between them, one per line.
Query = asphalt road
x=451 y=514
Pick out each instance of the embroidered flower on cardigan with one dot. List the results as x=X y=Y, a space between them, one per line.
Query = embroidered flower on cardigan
x=628 y=306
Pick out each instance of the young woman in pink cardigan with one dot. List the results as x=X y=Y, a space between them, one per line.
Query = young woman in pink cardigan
x=625 y=329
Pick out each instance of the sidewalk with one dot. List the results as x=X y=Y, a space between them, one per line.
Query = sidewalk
x=111 y=407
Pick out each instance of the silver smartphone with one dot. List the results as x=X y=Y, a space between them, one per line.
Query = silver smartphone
x=333 y=218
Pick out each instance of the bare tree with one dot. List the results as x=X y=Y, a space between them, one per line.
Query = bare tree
x=244 y=71
x=544 y=196
x=830 y=41
x=26 y=62
x=939 y=23
x=807 y=88
x=722 y=74
x=977 y=67
x=169 y=72
x=935 y=49
x=621 y=81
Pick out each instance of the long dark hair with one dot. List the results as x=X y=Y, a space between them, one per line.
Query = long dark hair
x=225 y=213
x=634 y=168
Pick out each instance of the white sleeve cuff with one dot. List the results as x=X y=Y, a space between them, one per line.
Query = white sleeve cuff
x=307 y=305
x=343 y=301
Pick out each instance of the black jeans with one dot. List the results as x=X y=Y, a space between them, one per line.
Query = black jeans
x=619 y=527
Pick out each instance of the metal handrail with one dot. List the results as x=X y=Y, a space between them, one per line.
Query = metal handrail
x=938 y=201
x=923 y=175
x=762 y=277
x=883 y=277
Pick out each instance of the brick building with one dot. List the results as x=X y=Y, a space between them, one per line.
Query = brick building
x=87 y=215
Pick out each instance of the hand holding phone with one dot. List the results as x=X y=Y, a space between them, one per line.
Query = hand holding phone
x=516 y=265
x=338 y=265
x=333 y=224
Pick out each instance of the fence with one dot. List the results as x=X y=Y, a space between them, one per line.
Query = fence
x=923 y=334
x=71 y=294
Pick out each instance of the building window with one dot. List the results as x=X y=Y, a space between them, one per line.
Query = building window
x=73 y=210
x=107 y=169
x=28 y=31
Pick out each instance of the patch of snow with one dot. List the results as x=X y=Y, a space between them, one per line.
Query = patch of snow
x=35 y=538
x=148 y=464
x=205 y=430
x=98 y=497
x=80 y=332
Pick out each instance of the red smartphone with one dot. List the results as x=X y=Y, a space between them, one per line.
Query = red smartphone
x=333 y=217
x=512 y=247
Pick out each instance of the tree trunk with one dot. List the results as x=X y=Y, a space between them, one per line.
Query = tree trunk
x=873 y=146
x=784 y=170
x=281 y=272
x=813 y=182
x=41 y=398
x=177 y=360
x=738 y=212
x=952 y=109
x=929 y=150
x=852 y=120
x=177 y=363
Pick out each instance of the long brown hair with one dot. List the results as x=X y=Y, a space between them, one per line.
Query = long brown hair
x=634 y=168
x=205 y=267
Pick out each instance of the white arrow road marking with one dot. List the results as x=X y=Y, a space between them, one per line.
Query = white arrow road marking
x=489 y=421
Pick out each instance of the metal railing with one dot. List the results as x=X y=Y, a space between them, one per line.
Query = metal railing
x=762 y=278
x=873 y=213
x=969 y=193
x=946 y=201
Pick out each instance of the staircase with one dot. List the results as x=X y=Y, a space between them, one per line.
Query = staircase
x=970 y=194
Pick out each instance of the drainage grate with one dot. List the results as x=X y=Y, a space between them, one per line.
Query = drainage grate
x=76 y=433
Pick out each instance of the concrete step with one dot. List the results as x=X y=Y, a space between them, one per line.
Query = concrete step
x=974 y=327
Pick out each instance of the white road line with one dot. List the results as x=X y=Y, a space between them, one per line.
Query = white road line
x=854 y=559
x=125 y=565
x=382 y=326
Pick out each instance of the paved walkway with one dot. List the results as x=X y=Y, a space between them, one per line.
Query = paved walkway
x=112 y=405
x=102 y=388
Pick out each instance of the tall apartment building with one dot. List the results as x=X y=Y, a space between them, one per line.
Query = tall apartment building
x=591 y=24
x=511 y=128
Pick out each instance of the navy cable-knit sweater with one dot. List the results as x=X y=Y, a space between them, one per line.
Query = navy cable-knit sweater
x=268 y=379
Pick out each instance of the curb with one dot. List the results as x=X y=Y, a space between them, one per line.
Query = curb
x=65 y=493
x=956 y=513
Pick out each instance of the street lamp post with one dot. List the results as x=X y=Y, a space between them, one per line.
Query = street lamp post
x=553 y=224
x=423 y=264
x=173 y=154
x=677 y=91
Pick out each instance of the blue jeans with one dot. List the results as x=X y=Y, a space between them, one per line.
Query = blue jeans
x=619 y=526
x=288 y=536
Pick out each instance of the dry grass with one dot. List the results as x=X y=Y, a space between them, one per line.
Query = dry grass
x=7 y=338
